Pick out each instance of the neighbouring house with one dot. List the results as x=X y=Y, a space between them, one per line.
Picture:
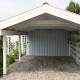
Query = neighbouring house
x=50 y=32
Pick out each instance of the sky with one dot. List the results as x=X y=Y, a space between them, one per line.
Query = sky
x=10 y=8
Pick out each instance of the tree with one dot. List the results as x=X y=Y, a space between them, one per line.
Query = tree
x=77 y=8
x=73 y=7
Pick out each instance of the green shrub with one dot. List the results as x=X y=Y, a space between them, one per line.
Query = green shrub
x=17 y=44
x=16 y=57
x=24 y=47
x=1 y=70
x=1 y=58
x=15 y=51
x=10 y=59
x=8 y=65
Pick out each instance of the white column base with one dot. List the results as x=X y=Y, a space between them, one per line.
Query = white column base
x=4 y=75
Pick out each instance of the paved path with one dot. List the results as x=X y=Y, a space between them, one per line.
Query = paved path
x=43 y=68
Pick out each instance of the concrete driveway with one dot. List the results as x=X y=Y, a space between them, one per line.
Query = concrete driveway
x=43 y=68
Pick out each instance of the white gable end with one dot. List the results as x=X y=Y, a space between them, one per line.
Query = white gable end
x=38 y=11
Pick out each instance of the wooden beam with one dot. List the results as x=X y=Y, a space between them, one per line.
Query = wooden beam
x=6 y=32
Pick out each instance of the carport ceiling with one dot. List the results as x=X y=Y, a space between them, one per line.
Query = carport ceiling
x=44 y=21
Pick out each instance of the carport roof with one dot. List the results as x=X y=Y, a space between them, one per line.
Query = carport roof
x=46 y=16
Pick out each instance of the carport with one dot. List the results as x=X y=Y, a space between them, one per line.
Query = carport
x=50 y=32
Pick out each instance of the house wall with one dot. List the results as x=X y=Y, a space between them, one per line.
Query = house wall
x=54 y=43
x=1 y=38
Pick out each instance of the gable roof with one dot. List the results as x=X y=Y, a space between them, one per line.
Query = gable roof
x=39 y=11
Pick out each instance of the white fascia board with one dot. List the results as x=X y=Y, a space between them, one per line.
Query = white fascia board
x=22 y=17
x=38 y=11
x=67 y=15
x=64 y=12
x=64 y=16
x=6 y=32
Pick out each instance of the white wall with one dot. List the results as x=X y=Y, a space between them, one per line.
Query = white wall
x=42 y=43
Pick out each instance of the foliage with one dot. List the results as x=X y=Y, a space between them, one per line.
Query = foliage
x=15 y=51
x=1 y=58
x=17 y=44
x=8 y=64
x=13 y=45
x=10 y=59
x=73 y=7
x=24 y=47
x=16 y=57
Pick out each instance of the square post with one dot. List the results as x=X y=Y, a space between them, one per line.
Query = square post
x=4 y=55
x=22 y=44
x=19 y=48
x=28 y=44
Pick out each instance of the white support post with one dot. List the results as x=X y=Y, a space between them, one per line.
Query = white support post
x=19 y=48
x=22 y=44
x=26 y=44
x=4 y=55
